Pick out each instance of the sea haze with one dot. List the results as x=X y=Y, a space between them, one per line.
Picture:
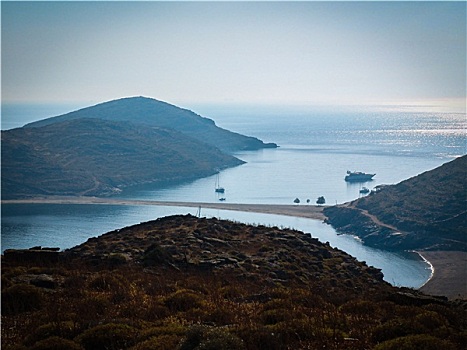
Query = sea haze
x=317 y=147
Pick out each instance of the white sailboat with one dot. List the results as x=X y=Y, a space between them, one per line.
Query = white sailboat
x=219 y=189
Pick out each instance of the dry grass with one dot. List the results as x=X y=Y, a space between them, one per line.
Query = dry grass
x=178 y=304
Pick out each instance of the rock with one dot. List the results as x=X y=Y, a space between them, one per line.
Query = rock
x=44 y=281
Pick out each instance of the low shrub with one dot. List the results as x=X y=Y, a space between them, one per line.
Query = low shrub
x=62 y=329
x=56 y=343
x=193 y=337
x=416 y=342
x=21 y=298
x=105 y=282
x=116 y=259
x=92 y=307
x=218 y=339
x=208 y=338
x=260 y=338
x=161 y=342
x=183 y=300
x=169 y=329
x=275 y=316
x=109 y=336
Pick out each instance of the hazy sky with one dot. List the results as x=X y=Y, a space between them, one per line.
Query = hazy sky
x=236 y=52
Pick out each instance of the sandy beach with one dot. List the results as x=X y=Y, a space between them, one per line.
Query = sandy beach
x=450 y=274
x=306 y=211
x=449 y=268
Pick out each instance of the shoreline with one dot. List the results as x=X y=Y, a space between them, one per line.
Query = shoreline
x=432 y=268
x=448 y=268
x=449 y=274
x=306 y=211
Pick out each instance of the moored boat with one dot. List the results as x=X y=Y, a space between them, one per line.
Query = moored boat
x=364 y=190
x=357 y=176
x=218 y=188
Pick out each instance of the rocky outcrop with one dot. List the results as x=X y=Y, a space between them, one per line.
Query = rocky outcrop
x=347 y=220
x=37 y=255
x=426 y=212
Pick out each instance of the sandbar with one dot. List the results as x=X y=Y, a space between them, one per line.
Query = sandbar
x=305 y=211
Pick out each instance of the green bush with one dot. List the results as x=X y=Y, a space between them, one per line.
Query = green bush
x=416 y=342
x=14 y=347
x=183 y=300
x=193 y=337
x=62 y=329
x=275 y=316
x=431 y=320
x=56 y=343
x=392 y=329
x=169 y=329
x=105 y=282
x=207 y=338
x=92 y=307
x=116 y=259
x=161 y=342
x=109 y=336
x=260 y=338
x=21 y=298
x=218 y=339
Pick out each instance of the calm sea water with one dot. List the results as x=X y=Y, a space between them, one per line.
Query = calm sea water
x=317 y=147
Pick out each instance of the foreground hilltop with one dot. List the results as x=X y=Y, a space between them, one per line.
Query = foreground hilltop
x=183 y=282
x=427 y=211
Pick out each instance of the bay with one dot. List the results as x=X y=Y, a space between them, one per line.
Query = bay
x=64 y=226
x=317 y=147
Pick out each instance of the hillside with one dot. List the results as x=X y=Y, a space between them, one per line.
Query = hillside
x=99 y=157
x=183 y=282
x=152 y=112
x=427 y=211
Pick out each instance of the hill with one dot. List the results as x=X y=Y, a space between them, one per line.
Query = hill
x=151 y=112
x=183 y=282
x=99 y=157
x=427 y=211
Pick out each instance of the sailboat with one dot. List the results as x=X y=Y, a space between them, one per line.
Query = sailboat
x=218 y=188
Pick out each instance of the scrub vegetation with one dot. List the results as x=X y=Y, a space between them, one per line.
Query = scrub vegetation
x=183 y=282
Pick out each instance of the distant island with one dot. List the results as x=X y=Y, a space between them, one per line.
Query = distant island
x=99 y=150
x=148 y=112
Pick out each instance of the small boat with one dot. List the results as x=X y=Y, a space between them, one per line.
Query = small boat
x=364 y=190
x=218 y=189
x=357 y=176
x=222 y=199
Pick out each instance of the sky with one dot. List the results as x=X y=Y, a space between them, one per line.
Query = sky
x=288 y=53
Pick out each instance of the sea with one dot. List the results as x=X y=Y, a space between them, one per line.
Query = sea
x=317 y=146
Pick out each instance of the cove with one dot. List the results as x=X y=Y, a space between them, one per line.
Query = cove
x=67 y=225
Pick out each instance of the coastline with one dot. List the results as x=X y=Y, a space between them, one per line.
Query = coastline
x=448 y=268
x=449 y=274
x=432 y=268
x=306 y=211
